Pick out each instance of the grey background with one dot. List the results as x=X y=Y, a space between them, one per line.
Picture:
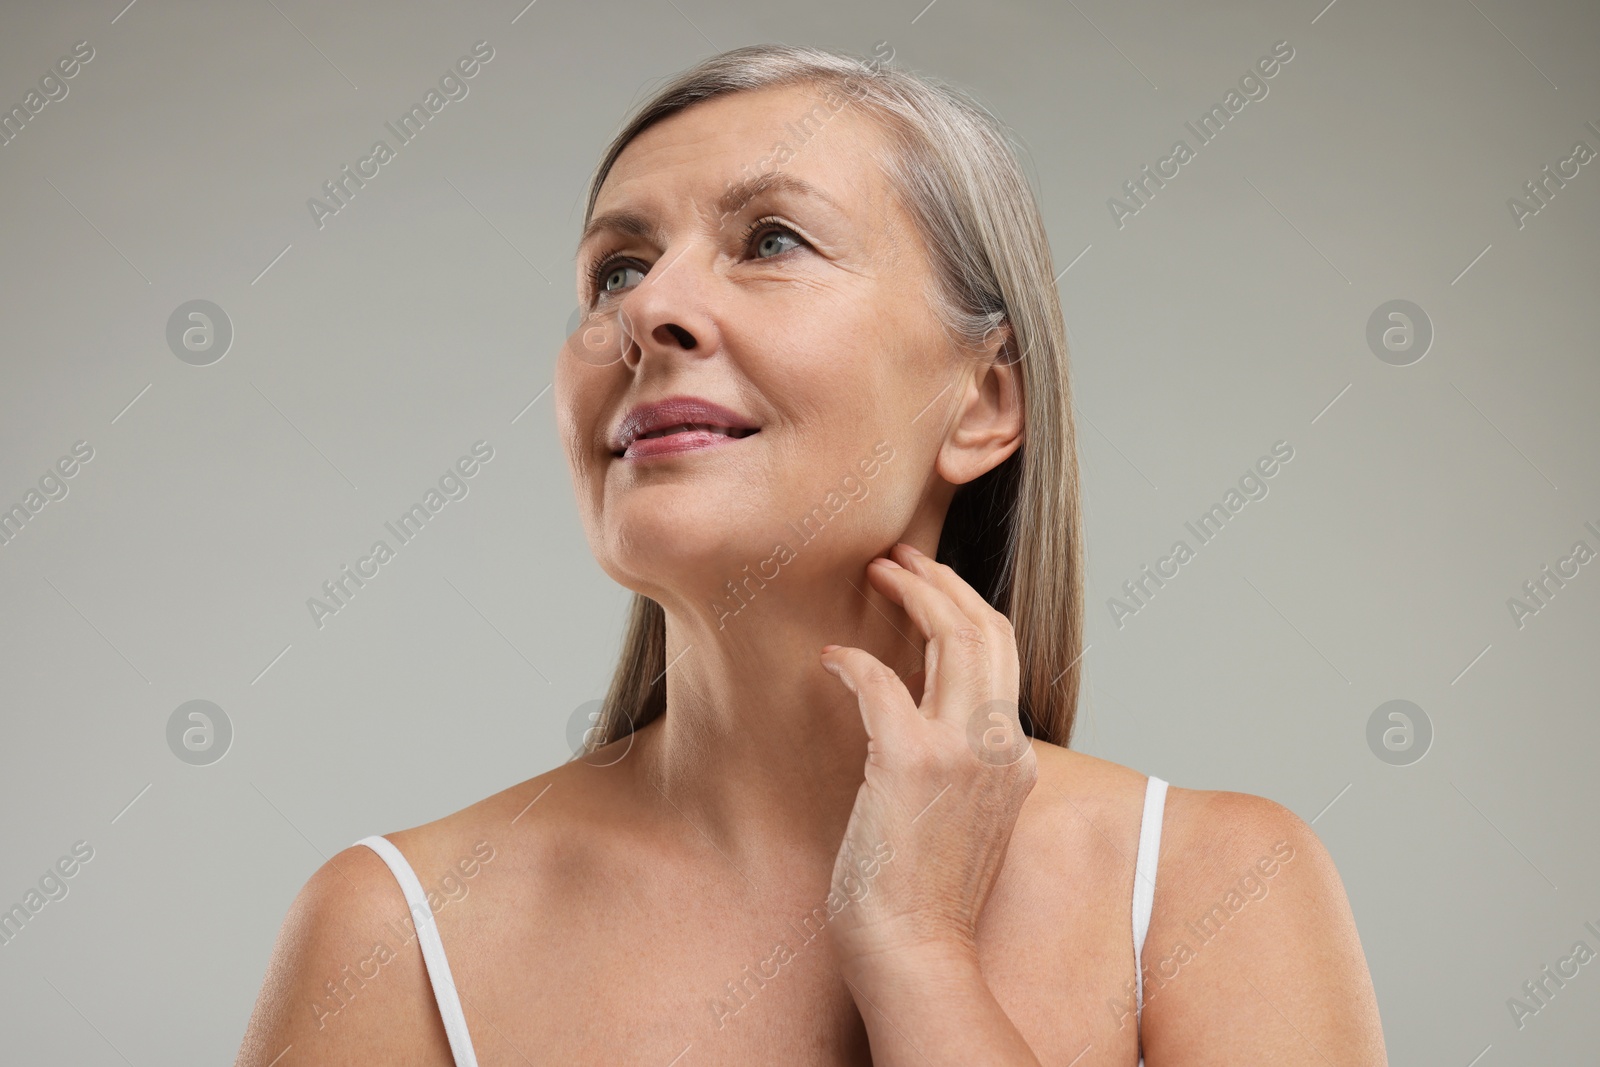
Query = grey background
x=368 y=355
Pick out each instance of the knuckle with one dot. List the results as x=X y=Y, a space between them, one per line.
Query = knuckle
x=970 y=637
x=879 y=675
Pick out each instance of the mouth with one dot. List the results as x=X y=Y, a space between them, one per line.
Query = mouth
x=675 y=425
x=689 y=427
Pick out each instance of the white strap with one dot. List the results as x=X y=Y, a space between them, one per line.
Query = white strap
x=1144 y=875
x=444 y=987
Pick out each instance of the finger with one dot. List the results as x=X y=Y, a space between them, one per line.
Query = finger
x=947 y=580
x=959 y=660
x=885 y=702
x=994 y=624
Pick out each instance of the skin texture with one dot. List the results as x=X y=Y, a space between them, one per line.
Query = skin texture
x=631 y=893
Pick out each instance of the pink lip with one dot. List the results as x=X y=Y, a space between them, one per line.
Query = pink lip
x=629 y=442
x=677 y=442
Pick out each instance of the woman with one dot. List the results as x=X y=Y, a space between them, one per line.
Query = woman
x=818 y=419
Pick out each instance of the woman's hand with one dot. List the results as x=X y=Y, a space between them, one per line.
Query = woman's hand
x=944 y=781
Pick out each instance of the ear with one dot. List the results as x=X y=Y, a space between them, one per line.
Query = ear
x=988 y=423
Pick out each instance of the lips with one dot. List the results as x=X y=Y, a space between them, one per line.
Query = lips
x=678 y=423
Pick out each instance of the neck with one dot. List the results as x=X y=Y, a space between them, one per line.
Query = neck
x=761 y=748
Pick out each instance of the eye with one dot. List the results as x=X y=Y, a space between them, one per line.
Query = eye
x=773 y=236
x=773 y=240
x=610 y=275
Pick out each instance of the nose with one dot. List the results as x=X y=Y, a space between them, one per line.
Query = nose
x=668 y=315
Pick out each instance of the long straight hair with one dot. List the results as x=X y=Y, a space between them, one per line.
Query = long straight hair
x=1014 y=533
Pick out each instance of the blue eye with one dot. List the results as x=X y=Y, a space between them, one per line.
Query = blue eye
x=609 y=275
x=773 y=238
x=772 y=231
x=616 y=273
x=610 y=270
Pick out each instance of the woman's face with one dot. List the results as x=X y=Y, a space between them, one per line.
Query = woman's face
x=803 y=314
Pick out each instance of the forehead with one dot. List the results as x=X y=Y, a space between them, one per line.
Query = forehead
x=804 y=131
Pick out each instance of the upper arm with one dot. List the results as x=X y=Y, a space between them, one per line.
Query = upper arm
x=1252 y=954
x=346 y=983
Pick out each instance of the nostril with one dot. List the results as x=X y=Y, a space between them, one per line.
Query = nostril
x=679 y=334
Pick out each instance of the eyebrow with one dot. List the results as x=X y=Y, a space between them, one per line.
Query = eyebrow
x=741 y=193
x=734 y=198
x=627 y=223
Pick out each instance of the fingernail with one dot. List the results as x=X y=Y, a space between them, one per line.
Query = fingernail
x=913 y=549
x=830 y=648
x=887 y=562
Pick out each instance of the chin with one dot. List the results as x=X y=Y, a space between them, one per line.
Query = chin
x=680 y=547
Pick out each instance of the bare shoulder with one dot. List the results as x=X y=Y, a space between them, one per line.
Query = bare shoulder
x=1075 y=778
x=1078 y=832
x=346 y=982
x=1219 y=833
x=539 y=824
x=1252 y=952
x=339 y=988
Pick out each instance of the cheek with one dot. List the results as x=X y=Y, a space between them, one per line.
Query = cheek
x=858 y=452
x=831 y=423
x=576 y=403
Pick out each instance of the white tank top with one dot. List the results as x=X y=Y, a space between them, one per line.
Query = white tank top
x=449 y=1002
